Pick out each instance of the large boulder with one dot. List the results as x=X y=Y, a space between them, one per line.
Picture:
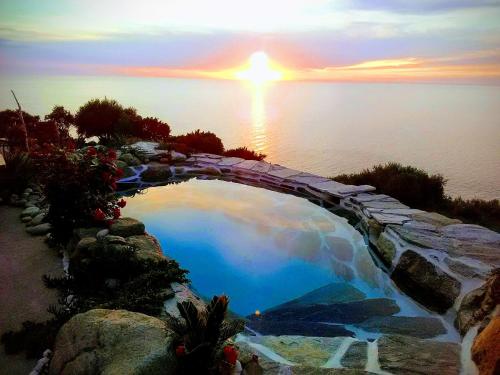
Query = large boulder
x=146 y=247
x=130 y=159
x=110 y=342
x=156 y=173
x=386 y=248
x=425 y=282
x=486 y=349
x=30 y=211
x=126 y=227
x=479 y=303
x=39 y=230
x=408 y=355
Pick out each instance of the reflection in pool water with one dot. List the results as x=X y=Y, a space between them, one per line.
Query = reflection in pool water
x=259 y=247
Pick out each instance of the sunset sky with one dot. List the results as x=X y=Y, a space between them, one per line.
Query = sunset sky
x=358 y=40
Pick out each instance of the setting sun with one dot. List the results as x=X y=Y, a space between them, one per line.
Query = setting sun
x=259 y=69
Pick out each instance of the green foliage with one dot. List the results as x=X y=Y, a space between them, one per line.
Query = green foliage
x=102 y=118
x=79 y=187
x=410 y=185
x=245 y=153
x=19 y=171
x=202 y=334
x=417 y=189
x=199 y=141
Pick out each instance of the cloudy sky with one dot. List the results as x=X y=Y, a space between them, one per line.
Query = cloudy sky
x=342 y=40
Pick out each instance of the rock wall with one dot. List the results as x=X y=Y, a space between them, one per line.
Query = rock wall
x=434 y=259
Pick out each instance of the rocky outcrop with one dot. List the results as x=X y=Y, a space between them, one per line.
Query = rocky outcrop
x=113 y=342
x=479 y=303
x=356 y=356
x=126 y=227
x=157 y=173
x=146 y=247
x=407 y=356
x=425 y=282
x=486 y=349
x=130 y=159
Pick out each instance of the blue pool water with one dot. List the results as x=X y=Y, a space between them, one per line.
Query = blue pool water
x=259 y=247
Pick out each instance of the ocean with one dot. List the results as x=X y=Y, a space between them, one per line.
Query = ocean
x=318 y=127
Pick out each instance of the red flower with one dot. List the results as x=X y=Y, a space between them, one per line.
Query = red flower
x=230 y=354
x=116 y=213
x=112 y=154
x=113 y=185
x=180 y=351
x=91 y=151
x=99 y=214
x=122 y=203
x=119 y=173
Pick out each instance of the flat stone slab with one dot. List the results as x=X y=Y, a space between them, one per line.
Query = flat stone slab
x=346 y=313
x=360 y=198
x=356 y=355
x=403 y=355
x=206 y=160
x=283 y=172
x=384 y=218
x=298 y=327
x=421 y=327
x=351 y=189
x=387 y=205
x=262 y=167
x=307 y=178
x=230 y=161
x=247 y=164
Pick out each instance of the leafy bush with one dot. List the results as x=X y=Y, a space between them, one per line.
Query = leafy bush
x=200 y=141
x=418 y=189
x=410 y=185
x=153 y=129
x=19 y=171
x=201 y=336
x=79 y=187
x=245 y=153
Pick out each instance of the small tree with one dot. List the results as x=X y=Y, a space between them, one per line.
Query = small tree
x=201 y=142
x=62 y=118
x=101 y=117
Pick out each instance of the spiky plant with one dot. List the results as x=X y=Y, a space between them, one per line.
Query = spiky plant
x=202 y=333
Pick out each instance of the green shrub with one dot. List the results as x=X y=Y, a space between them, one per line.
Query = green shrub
x=410 y=185
x=417 y=189
x=200 y=141
x=245 y=153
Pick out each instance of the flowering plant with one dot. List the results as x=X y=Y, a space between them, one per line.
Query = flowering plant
x=80 y=188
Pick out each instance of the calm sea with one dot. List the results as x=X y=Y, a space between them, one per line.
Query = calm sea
x=324 y=128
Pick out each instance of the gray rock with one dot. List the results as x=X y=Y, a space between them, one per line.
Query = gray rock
x=348 y=313
x=177 y=156
x=421 y=327
x=85 y=243
x=38 y=219
x=465 y=270
x=113 y=342
x=39 y=230
x=102 y=233
x=30 y=211
x=130 y=159
x=328 y=294
x=356 y=356
x=111 y=239
x=425 y=282
x=112 y=283
x=298 y=327
x=146 y=247
x=386 y=248
x=126 y=227
x=410 y=356
x=26 y=219
x=156 y=174
x=80 y=233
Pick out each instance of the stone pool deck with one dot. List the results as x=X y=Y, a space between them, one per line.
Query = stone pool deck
x=434 y=259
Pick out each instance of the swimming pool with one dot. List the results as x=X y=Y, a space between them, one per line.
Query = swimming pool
x=304 y=270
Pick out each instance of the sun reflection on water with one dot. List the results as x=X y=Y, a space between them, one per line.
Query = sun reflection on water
x=259 y=131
